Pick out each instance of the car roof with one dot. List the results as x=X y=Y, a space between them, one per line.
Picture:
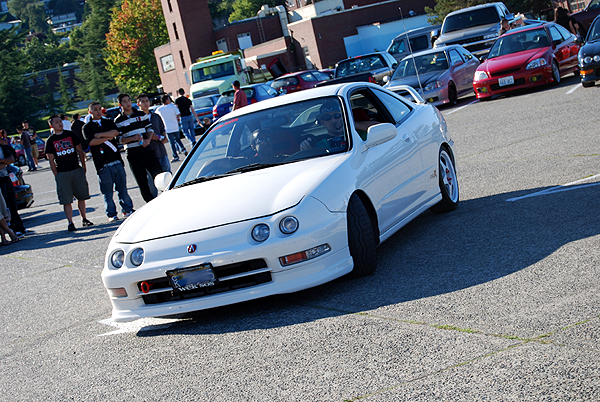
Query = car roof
x=296 y=73
x=362 y=55
x=418 y=31
x=462 y=10
x=528 y=28
x=434 y=50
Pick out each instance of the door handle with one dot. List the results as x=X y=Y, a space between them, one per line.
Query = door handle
x=406 y=138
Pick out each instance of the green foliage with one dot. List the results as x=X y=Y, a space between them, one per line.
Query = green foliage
x=243 y=9
x=220 y=8
x=94 y=80
x=137 y=27
x=42 y=55
x=65 y=96
x=16 y=103
x=444 y=7
x=31 y=12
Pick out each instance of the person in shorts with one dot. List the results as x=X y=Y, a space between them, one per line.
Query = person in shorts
x=67 y=161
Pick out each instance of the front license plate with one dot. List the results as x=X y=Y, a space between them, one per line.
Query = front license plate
x=184 y=279
x=504 y=81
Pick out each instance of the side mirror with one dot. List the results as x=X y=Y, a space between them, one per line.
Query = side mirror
x=162 y=180
x=380 y=133
x=394 y=66
x=482 y=58
x=386 y=79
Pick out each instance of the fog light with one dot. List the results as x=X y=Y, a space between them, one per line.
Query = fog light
x=304 y=255
x=117 y=292
x=482 y=90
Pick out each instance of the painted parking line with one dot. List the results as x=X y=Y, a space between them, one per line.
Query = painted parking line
x=565 y=187
x=462 y=107
x=570 y=91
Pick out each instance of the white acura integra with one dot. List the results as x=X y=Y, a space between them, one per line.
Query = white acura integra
x=280 y=196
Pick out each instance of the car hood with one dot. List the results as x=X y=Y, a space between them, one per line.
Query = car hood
x=590 y=48
x=463 y=34
x=413 y=81
x=510 y=61
x=225 y=200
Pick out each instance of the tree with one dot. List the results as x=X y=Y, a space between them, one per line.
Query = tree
x=65 y=96
x=39 y=54
x=137 y=27
x=243 y=9
x=445 y=7
x=90 y=40
x=16 y=103
x=31 y=12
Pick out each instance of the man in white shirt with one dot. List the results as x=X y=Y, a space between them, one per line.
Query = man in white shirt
x=66 y=122
x=170 y=116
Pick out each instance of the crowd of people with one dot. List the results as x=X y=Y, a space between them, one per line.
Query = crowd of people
x=142 y=133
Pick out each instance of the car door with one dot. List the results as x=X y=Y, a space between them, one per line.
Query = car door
x=561 y=50
x=569 y=43
x=396 y=165
x=458 y=67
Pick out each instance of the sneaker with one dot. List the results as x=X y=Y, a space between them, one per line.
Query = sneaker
x=71 y=227
x=86 y=223
x=127 y=214
x=174 y=160
x=24 y=232
x=184 y=152
x=113 y=218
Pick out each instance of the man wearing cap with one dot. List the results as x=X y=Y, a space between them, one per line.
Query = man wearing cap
x=330 y=117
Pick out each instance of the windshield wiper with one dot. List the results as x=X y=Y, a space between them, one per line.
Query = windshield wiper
x=200 y=180
x=253 y=166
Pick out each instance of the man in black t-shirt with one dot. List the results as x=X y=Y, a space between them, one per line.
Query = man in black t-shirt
x=101 y=133
x=186 y=109
x=136 y=133
x=64 y=152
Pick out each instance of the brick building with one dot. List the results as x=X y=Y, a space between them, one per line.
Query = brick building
x=301 y=36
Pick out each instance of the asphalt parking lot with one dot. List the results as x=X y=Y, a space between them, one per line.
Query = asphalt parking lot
x=498 y=300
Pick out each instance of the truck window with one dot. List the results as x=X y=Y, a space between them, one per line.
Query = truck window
x=201 y=73
x=468 y=19
x=419 y=43
x=397 y=47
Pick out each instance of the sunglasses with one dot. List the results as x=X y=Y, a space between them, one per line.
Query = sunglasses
x=331 y=116
x=259 y=141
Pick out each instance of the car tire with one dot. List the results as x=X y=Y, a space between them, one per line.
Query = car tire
x=361 y=239
x=448 y=183
x=588 y=84
x=555 y=73
x=452 y=94
x=21 y=161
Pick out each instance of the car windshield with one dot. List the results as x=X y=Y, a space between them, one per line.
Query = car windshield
x=268 y=138
x=359 y=65
x=517 y=42
x=200 y=73
x=468 y=19
x=594 y=32
x=227 y=96
x=284 y=82
x=206 y=101
x=424 y=64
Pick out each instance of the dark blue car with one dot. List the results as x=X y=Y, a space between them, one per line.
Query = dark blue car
x=254 y=92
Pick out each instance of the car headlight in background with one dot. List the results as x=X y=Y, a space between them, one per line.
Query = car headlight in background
x=536 y=63
x=288 y=225
x=117 y=259
x=588 y=59
x=480 y=75
x=137 y=257
x=433 y=85
x=261 y=232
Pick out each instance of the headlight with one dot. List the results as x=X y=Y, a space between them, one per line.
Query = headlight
x=117 y=258
x=433 y=85
x=490 y=36
x=288 y=225
x=588 y=59
x=137 y=257
x=536 y=63
x=480 y=75
x=261 y=232
x=597 y=58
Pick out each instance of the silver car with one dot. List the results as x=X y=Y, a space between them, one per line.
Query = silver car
x=440 y=75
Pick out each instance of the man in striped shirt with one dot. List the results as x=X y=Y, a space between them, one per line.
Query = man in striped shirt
x=136 y=133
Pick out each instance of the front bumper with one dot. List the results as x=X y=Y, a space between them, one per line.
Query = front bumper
x=522 y=79
x=227 y=246
x=590 y=73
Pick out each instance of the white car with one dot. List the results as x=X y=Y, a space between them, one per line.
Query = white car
x=299 y=190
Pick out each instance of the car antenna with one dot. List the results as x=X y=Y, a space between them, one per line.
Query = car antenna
x=410 y=50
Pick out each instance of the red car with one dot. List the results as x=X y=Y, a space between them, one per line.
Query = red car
x=294 y=82
x=527 y=57
x=21 y=161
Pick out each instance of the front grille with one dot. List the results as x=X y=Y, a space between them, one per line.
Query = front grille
x=518 y=81
x=230 y=277
x=467 y=41
x=505 y=72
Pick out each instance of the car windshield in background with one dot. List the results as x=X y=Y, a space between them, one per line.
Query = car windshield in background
x=359 y=65
x=518 y=42
x=481 y=16
x=212 y=72
x=314 y=76
x=268 y=138
x=424 y=64
x=227 y=96
x=203 y=102
x=594 y=32
x=284 y=82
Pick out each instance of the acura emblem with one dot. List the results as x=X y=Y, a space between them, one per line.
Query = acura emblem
x=192 y=248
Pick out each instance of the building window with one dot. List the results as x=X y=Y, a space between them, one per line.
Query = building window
x=170 y=8
x=182 y=59
x=244 y=40
x=167 y=63
x=222 y=45
x=40 y=79
x=175 y=30
x=65 y=73
x=576 y=5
